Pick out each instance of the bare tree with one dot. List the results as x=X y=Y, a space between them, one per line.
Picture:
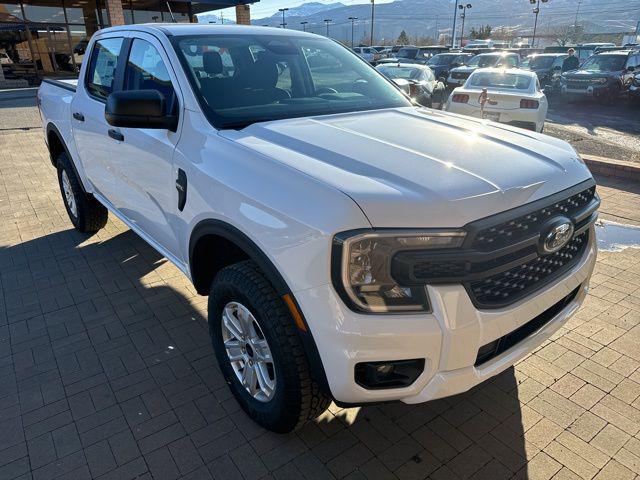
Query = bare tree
x=565 y=34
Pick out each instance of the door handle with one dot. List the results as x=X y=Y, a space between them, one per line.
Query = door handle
x=78 y=116
x=116 y=135
x=181 y=186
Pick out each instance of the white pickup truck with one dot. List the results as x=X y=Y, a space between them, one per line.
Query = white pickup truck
x=354 y=247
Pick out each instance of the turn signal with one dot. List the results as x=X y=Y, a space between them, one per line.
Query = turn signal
x=460 y=98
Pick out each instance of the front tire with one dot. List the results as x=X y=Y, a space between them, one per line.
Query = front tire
x=85 y=212
x=263 y=361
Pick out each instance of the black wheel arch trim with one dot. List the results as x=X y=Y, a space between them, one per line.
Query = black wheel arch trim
x=52 y=128
x=231 y=233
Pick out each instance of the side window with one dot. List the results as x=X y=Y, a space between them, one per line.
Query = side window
x=146 y=71
x=101 y=73
x=512 y=61
x=558 y=62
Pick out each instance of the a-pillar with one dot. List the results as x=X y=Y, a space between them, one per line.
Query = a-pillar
x=114 y=11
x=243 y=15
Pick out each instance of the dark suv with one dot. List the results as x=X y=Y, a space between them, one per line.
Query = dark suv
x=604 y=76
x=548 y=68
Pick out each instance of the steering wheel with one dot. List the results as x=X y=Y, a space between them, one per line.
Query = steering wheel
x=323 y=90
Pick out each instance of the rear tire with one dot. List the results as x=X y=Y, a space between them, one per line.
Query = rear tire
x=294 y=397
x=85 y=212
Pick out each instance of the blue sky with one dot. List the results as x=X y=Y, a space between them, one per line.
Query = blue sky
x=266 y=8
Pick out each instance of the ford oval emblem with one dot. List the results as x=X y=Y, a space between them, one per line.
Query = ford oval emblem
x=556 y=238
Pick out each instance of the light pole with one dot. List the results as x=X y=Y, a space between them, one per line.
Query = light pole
x=353 y=19
x=327 y=21
x=284 y=25
x=536 y=11
x=453 y=30
x=462 y=16
x=373 y=9
x=304 y=26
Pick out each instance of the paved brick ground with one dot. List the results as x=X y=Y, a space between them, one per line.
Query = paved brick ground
x=106 y=371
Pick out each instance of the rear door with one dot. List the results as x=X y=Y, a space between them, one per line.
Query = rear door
x=90 y=129
x=143 y=159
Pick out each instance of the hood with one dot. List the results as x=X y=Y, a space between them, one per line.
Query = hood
x=464 y=68
x=411 y=167
x=587 y=74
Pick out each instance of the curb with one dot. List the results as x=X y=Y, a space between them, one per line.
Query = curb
x=609 y=167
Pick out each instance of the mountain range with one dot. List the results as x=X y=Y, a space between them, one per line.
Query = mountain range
x=429 y=18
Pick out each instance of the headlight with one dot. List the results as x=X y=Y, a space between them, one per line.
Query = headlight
x=636 y=79
x=361 y=268
x=600 y=80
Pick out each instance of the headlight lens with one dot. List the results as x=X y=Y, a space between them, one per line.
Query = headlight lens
x=362 y=268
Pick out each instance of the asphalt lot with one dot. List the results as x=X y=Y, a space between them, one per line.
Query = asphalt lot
x=106 y=369
x=607 y=131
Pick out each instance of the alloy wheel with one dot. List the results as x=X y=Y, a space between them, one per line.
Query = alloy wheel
x=248 y=351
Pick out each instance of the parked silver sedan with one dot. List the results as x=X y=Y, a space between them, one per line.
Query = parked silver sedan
x=417 y=81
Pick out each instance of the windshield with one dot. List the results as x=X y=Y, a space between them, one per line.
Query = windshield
x=483 y=61
x=399 y=72
x=604 y=63
x=242 y=79
x=443 y=59
x=541 y=62
x=511 y=81
x=408 y=53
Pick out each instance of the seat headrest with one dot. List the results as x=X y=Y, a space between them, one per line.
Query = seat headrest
x=212 y=63
x=263 y=73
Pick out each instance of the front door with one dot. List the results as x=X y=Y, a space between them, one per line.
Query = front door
x=143 y=160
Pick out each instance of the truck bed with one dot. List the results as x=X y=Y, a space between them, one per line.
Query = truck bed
x=66 y=83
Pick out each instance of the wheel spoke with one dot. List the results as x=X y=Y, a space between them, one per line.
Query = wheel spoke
x=262 y=350
x=231 y=323
x=249 y=378
x=234 y=350
x=266 y=384
x=246 y=321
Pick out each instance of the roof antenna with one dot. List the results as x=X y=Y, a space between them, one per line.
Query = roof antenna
x=173 y=19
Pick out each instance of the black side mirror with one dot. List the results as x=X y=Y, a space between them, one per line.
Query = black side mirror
x=139 y=109
x=557 y=68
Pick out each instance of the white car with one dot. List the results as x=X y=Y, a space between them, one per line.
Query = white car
x=506 y=96
x=354 y=247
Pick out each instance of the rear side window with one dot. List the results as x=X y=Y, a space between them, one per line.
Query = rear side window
x=146 y=71
x=102 y=69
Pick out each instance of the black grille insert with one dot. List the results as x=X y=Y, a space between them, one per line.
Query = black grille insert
x=515 y=229
x=501 y=345
x=515 y=283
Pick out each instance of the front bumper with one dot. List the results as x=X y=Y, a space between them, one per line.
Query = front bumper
x=448 y=338
x=587 y=91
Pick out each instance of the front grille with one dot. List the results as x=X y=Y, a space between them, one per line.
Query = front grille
x=576 y=86
x=515 y=283
x=503 y=260
x=516 y=229
x=502 y=344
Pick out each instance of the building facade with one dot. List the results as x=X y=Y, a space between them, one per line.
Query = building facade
x=41 y=38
